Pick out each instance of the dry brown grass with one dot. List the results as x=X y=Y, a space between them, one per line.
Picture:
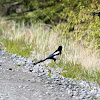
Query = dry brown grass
x=45 y=41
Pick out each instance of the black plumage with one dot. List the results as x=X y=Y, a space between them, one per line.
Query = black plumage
x=52 y=56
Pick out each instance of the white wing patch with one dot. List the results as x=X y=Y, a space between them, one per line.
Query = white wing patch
x=56 y=57
x=56 y=53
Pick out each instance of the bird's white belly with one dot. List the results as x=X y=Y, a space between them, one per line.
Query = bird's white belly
x=57 y=56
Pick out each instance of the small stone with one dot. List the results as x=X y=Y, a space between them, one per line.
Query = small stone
x=82 y=96
x=93 y=92
x=75 y=93
x=97 y=95
x=70 y=86
x=70 y=92
x=14 y=55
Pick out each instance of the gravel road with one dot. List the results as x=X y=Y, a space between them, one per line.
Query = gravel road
x=18 y=83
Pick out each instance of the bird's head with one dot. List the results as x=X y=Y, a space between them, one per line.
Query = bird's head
x=60 y=48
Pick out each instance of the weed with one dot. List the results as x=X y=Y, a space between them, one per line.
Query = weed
x=17 y=47
x=18 y=64
x=77 y=62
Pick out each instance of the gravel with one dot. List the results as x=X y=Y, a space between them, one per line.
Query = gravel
x=19 y=80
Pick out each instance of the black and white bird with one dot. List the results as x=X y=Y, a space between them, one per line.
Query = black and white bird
x=53 y=56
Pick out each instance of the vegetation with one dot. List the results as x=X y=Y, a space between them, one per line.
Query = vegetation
x=76 y=19
x=43 y=25
x=76 y=61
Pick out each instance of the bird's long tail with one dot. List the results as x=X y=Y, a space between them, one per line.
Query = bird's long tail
x=39 y=61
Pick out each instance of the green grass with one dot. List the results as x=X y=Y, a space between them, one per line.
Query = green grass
x=18 y=64
x=70 y=69
x=77 y=72
x=17 y=47
x=76 y=61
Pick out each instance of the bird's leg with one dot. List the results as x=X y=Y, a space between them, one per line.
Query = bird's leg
x=55 y=64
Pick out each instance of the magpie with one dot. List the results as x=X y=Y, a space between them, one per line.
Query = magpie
x=53 y=56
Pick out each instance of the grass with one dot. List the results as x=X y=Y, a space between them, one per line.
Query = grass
x=18 y=64
x=17 y=47
x=76 y=61
x=77 y=71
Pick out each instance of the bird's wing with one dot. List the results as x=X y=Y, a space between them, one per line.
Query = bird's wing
x=50 y=56
x=56 y=53
x=53 y=55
